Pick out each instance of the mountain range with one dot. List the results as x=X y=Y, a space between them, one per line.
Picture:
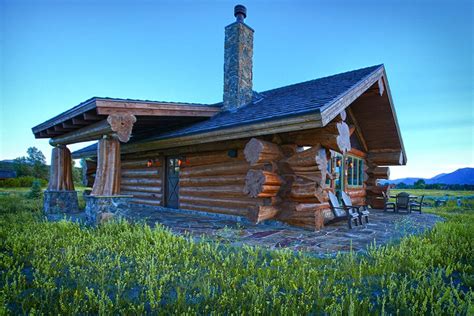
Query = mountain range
x=460 y=176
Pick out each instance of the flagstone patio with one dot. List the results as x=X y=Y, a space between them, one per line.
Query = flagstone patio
x=384 y=227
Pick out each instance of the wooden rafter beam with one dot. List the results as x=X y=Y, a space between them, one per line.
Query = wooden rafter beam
x=69 y=125
x=386 y=157
x=91 y=116
x=154 y=109
x=358 y=131
x=78 y=121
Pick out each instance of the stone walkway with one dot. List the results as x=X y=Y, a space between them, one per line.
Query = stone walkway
x=383 y=228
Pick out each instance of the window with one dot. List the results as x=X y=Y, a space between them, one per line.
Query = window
x=350 y=171
x=355 y=171
x=328 y=180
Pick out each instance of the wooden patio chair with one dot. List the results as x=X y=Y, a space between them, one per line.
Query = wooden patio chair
x=417 y=205
x=362 y=210
x=341 y=212
x=403 y=202
x=387 y=205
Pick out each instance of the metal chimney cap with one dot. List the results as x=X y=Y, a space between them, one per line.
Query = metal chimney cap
x=240 y=12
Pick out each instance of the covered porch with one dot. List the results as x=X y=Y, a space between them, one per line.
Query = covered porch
x=110 y=122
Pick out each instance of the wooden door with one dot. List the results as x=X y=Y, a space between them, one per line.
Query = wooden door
x=172 y=182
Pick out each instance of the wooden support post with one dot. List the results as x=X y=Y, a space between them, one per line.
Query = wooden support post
x=107 y=180
x=60 y=178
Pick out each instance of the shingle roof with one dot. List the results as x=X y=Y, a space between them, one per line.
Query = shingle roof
x=298 y=99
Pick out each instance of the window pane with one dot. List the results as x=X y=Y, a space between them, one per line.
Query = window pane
x=356 y=169
x=328 y=181
x=361 y=172
x=350 y=170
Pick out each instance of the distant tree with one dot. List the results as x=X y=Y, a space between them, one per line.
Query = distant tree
x=76 y=174
x=33 y=165
x=419 y=184
x=22 y=167
x=401 y=185
x=38 y=163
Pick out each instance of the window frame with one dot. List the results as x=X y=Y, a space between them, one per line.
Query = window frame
x=355 y=172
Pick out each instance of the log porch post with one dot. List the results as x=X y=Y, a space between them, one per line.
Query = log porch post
x=105 y=201
x=107 y=179
x=60 y=196
x=60 y=177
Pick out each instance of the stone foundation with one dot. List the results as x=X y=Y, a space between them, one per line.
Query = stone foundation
x=100 y=209
x=60 y=202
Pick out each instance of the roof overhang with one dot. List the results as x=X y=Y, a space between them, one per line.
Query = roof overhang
x=95 y=110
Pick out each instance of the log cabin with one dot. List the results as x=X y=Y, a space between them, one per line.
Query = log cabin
x=260 y=155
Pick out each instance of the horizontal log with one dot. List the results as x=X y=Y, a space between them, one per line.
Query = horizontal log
x=140 y=164
x=233 y=168
x=386 y=158
x=239 y=202
x=146 y=201
x=211 y=181
x=266 y=212
x=211 y=209
x=379 y=172
x=87 y=133
x=356 y=193
x=210 y=158
x=140 y=173
x=307 y=191
x=141 y=181
x=335 y=135
x=142 y=195
x=259 y=183
x=221 y=191
x=305 y=207
x=260 y=151
x=377 y=189
x=139 y=188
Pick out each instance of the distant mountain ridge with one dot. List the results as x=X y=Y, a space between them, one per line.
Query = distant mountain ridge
x=460 y=176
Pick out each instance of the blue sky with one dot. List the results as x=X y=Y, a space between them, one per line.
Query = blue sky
x=56 y=54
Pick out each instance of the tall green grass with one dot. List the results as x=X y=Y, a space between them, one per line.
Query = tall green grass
x=121 y=268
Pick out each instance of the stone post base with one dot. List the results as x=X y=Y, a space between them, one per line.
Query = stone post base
x=60 y=202
x=100 y=209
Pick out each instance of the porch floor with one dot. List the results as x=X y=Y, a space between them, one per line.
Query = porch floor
x=384 y=227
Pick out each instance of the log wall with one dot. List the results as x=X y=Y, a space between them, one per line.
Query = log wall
x=213 y=181
x=279 y=177
x=141 y=181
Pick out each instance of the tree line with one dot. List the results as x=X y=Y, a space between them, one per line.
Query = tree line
x=421 y=184
x=30 y=168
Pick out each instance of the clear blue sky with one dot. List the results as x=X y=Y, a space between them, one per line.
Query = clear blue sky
x=56 y=54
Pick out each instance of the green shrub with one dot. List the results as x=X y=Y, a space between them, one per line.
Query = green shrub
x=16 y=203
x=21 y=182
x=35 y=191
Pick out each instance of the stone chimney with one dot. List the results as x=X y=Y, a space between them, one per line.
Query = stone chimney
x=238 y=52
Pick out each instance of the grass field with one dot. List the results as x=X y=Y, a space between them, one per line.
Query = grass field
x=122 y=268
x=434 y=193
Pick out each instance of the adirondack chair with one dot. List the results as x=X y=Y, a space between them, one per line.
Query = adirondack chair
x=340 y=212
x=388 y=205
x=362 y=210
x=416 y=206
x=403 y=201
